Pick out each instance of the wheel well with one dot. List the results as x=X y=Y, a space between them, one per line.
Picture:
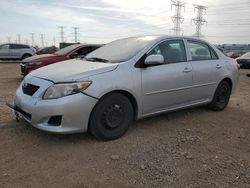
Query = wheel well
x=228 y=80
x=26 y=54
x=130 y=97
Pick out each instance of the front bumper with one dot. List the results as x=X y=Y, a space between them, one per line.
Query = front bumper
x=74 y=110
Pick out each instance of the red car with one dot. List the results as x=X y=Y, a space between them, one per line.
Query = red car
x=70 y=52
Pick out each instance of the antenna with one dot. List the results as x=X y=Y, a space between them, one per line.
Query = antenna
x=199 y=20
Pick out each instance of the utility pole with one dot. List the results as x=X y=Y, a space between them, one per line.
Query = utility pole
x=19 y=38
x=76 y=33
x=9 y=39
x=61 y=32
x=32 y=39
x=199 y=20
x=177 y=18
x=42 y=39
x=26 y=41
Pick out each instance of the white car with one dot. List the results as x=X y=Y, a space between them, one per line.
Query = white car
x=126 y=80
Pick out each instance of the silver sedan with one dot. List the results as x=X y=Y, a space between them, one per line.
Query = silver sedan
x=126 y=80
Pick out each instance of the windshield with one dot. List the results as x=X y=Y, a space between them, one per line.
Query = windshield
x=66 y=50
x=246 y=55
x=120 y=50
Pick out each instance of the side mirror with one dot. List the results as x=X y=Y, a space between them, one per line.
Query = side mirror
x=154 y=60
x=73 y=55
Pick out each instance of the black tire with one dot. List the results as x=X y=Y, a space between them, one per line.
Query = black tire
x=111 y=117
x=25 y=56
x=221 y=96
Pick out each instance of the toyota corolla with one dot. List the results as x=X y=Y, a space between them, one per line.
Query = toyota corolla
x=126 y=80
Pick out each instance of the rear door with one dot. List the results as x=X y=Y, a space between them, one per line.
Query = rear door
x=206 y=69
x=167 y=86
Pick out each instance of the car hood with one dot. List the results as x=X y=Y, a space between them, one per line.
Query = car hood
x=36 y=58
x=72 y=70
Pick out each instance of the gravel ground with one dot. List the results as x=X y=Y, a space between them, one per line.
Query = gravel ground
x=189 y=148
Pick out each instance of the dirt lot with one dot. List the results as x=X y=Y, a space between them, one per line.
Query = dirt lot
x=190 y=148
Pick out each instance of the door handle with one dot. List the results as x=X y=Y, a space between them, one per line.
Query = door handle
x=186 y=70
x=218 y=66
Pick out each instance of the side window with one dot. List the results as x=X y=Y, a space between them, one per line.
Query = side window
x=84 y=51
x=199 y=51
x=14 y=46
x=173 y=51
x=5 y=47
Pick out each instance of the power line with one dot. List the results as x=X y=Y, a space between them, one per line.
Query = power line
x=75 y=33
x=199 y=20
x=177 y=18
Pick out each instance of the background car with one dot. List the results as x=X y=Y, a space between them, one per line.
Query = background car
x=47 y=50
x=244 y=60
x=233 y=55
x=16 y=51
x=70 y=52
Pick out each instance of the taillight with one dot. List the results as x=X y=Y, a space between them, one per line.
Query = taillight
x=238 y=66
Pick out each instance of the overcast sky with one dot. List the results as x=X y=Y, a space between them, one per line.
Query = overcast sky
x=101 y=21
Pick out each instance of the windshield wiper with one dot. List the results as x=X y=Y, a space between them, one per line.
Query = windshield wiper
x=97 y=59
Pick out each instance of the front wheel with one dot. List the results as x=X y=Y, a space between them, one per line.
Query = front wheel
x=221 y=97
x=111 y=117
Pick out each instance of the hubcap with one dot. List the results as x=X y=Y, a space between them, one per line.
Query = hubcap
x=112 y=116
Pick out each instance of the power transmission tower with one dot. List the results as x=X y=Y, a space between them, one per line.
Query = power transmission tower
x=76 y=33
x=199 y=20
x=177 y=18
x=32 y=39
x=19 y=38
x=61 y=32
x=9 y=39
x=42 y=39
x=54 y=41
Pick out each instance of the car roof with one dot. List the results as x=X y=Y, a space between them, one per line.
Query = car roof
x=163 y=36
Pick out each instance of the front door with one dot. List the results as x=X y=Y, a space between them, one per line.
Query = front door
x=167 y=86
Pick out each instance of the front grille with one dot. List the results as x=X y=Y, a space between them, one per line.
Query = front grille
x=25 y=114
x=29 y=89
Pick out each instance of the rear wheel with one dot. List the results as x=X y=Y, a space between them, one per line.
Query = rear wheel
x=111 y=117
x=221 y=96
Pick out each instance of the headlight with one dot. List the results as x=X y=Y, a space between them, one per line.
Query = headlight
x=61 y=90
x=33 y=63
